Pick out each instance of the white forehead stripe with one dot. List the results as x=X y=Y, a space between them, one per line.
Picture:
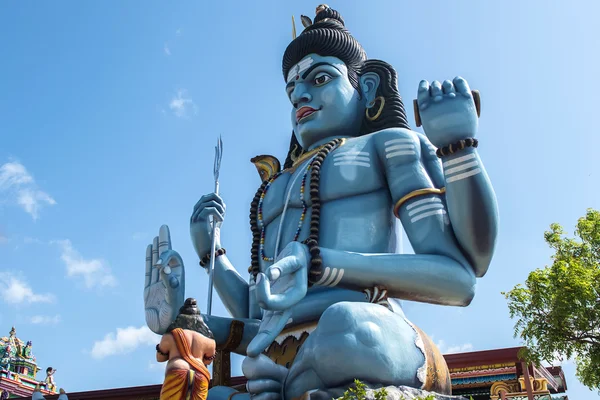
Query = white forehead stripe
x=299 y=68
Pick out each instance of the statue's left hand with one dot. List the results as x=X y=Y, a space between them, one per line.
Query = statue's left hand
x=283 y=285
x=164 y=287
x=447 y=111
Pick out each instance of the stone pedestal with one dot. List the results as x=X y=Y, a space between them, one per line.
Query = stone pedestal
x=400 y=393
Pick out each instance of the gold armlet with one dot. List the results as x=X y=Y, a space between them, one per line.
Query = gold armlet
x=416 y=193
x=236 y=331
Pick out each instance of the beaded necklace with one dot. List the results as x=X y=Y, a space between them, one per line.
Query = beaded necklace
x=256 y=215
x=260 y=213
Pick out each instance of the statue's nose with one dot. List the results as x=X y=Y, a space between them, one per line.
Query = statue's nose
x=300 y=95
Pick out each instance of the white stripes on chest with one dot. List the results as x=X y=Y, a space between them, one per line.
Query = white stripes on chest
x=352 y=157
x=400 y=147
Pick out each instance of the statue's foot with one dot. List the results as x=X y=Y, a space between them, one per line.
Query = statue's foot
x=367 y=342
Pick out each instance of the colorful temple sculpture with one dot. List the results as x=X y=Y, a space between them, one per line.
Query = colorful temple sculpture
x=18 y=368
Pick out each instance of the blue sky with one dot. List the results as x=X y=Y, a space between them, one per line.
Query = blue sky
x=109 y=112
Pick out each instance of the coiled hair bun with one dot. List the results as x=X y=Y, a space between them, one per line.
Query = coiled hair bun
x=326 y=36
x=326 y=13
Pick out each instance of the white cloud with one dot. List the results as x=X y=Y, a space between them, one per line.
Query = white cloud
x=17 y=184
x=181 y=105
x=124 y=341
x=462 y=348
x=178 y=32
x=32 y=240
x=94 y=272
x=45 y=319
x=16 y=291
x=167 y=49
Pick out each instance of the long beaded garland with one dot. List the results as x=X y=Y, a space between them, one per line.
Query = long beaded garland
x=260 y=213
x=260 y=217
x=258 y=228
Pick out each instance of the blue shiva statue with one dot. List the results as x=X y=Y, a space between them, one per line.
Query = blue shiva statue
x=320 y=307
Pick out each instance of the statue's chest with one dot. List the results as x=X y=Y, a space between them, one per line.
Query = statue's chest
x=346 y=172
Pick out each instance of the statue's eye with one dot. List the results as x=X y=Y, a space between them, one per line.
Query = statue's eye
x=322 y=78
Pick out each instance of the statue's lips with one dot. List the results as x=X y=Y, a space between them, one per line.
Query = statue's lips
x=304 y=112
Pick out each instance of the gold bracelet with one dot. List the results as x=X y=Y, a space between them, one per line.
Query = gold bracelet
x=415 y=193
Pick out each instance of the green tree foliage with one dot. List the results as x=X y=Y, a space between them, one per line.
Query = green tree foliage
x=557 y=310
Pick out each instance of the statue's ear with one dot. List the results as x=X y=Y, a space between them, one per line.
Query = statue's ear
x=369 y=82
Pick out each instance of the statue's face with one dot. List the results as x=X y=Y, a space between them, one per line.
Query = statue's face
x=324 y=103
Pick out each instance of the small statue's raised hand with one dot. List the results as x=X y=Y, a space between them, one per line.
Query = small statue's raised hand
x=164 y=288
x=210 y=206
x=447 y=111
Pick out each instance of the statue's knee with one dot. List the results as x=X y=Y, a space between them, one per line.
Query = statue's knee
x=339 y=317
x=357 y=341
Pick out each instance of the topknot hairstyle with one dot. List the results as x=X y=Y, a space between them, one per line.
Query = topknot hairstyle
x=189 y=317
x=327 y=36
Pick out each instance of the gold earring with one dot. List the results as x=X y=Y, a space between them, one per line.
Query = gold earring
x=379 y=111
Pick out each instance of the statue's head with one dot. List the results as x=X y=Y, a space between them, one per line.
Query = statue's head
x=189 y=317
x=334 y=89
x=29 y=344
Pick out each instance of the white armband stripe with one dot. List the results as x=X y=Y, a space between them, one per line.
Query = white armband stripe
x=463 y=175
x=332 y=277
x=428 y=214
x=324 y=277
x=459 y=160
x=423 y=201
x=439 y=206
x=338 y=279
x=461 y=167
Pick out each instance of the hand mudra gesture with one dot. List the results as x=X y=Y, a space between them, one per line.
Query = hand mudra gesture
x=164 y=287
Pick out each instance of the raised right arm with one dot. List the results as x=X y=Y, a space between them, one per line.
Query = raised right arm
x=231 y=287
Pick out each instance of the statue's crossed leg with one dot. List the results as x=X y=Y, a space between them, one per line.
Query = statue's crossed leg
x=352 y=341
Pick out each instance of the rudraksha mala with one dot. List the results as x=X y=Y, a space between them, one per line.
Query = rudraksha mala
x=312 y=241
x=254 y=257
x=454 y=147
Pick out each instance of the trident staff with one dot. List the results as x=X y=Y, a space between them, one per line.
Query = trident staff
x=215 y=224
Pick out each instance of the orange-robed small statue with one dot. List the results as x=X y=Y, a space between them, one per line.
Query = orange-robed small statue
x=189 y=347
